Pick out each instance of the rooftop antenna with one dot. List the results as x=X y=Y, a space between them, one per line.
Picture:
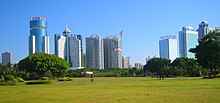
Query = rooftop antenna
x=67 y=24
x=121 y=35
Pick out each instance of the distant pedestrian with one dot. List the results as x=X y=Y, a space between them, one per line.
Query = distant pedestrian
x=92 y=77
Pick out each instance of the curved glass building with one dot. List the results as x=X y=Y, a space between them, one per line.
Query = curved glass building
x=38 y=39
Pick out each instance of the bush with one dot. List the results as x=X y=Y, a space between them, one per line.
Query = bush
x=7 y=83
x=20 y=80
x=14 y=80
x=39 y=82
x=70 y=79
x=44 y=78
x=9 y=77
x=65 y=79
x=2 y=81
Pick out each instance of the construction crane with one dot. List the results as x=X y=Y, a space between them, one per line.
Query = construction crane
x=120 y=40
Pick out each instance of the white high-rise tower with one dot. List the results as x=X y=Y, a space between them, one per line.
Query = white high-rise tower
x=69 y=48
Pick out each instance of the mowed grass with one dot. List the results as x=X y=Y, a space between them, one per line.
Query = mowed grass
x=116 y=90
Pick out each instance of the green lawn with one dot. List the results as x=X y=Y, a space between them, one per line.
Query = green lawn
x=125 y=90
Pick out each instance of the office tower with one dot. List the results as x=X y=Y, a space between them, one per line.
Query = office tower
x=112 y=52
x=7 y=58
x=69 y=48
x=94 y=52
x=168 y=47
x=82 y=57
x=217 y=29
x=38 y=39
x=138 y=66
x=75 y=51
x=187 y=40
x=60 y=44
x=203 y=29
x=125 y=62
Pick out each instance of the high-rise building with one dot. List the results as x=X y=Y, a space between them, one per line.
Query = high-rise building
x=94 y=52
x=217 y=29
x=203 y=29
x=7 y=58
x=187 y=40
x=60 y=45
x=82 y=57
x=138 y=65
x=168 y=47
x=112 y=52
x=69 y=48
x=38 y=39
x=125 y=62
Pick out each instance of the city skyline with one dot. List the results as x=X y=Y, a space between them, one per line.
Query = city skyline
x=143 y=22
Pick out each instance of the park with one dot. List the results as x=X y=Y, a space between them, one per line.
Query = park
x=116 y=90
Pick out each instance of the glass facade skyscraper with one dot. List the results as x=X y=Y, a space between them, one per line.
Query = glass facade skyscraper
x=187 y=40
x=168 y=47
x=38 y=39
x=203 y=29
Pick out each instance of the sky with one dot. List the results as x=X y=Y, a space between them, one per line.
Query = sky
x=143 y=22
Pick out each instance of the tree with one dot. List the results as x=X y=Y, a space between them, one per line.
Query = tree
x=208 y=52
x=40 y=63
x=186 y=67
x=157 y=65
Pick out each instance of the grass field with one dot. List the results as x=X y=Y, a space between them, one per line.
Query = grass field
x=124 y=90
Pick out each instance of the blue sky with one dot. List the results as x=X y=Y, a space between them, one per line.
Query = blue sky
x=143 y=21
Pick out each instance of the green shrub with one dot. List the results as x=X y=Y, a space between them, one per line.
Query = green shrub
x=8 y=83
x=39 y=82
x=9 y=77
x=2 y=80
x=20 y=80
x=44 y=78
x=70 y=79
x=60 y=79
x=14 y=80
x=65 y=79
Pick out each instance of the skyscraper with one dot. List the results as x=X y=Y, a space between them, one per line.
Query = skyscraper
x=125 y=62
x=203 y=29
x=138 y=65
x=216 y=29
x=187 y=40
x=168 y=47
x=82 y=57
x=69 y=48
x=38 y=39
x=7 y=58
x=112 y=52
x=75 y=52
x=94 y=52
x=60 y=44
